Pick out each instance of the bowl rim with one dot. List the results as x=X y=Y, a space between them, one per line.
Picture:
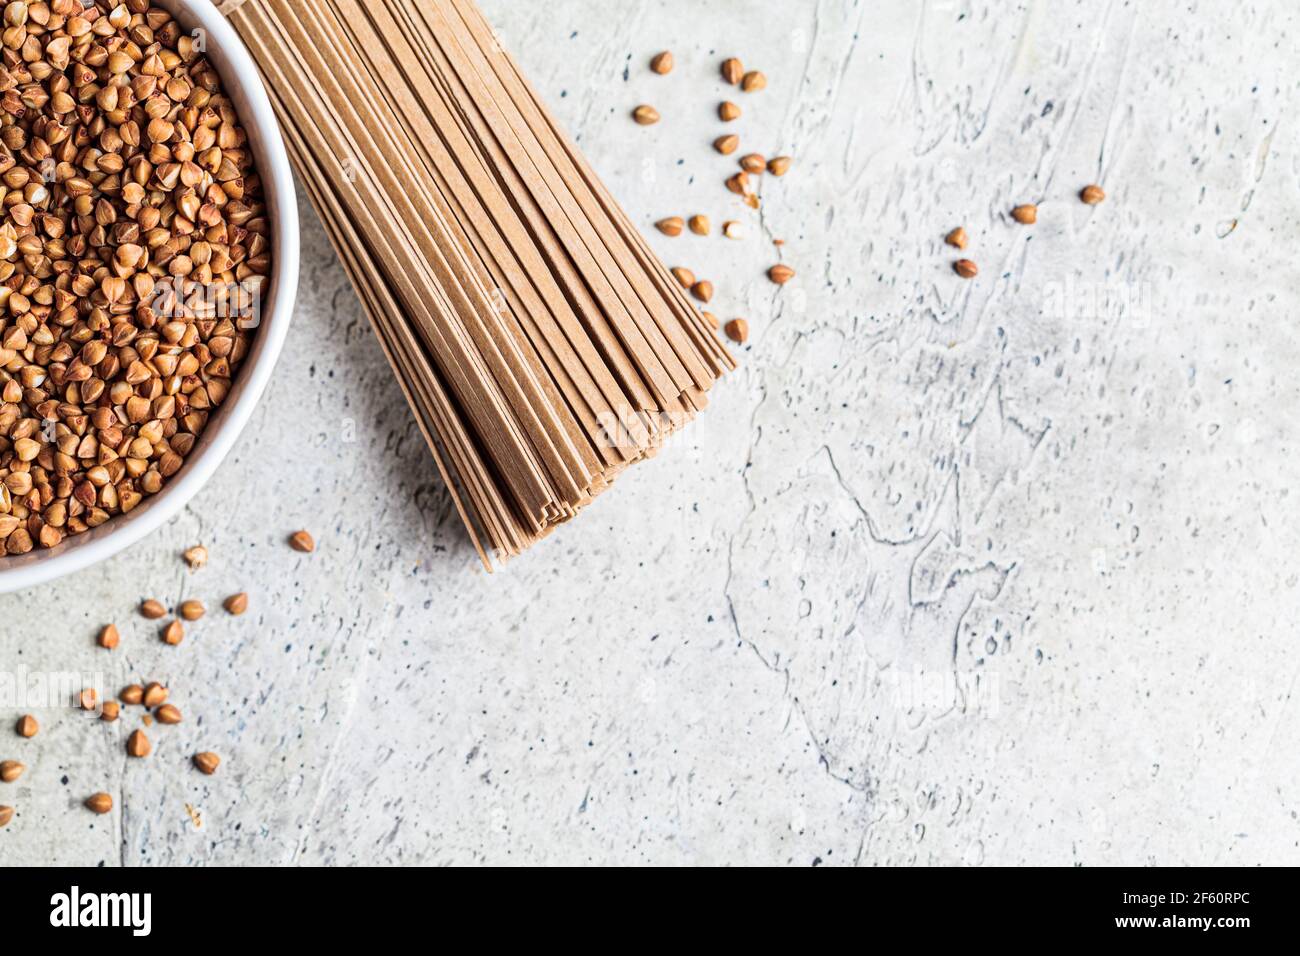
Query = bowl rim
x=240 y=77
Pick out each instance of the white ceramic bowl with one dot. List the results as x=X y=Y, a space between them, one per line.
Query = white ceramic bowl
x=241 y=82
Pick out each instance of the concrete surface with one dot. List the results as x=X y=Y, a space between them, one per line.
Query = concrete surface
x=953 y=572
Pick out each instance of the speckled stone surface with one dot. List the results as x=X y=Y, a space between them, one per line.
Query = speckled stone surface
x=998 y=571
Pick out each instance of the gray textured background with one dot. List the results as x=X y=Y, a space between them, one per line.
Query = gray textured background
x=987 y=572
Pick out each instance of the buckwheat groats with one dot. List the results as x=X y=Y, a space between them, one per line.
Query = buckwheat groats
x=133 y=252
